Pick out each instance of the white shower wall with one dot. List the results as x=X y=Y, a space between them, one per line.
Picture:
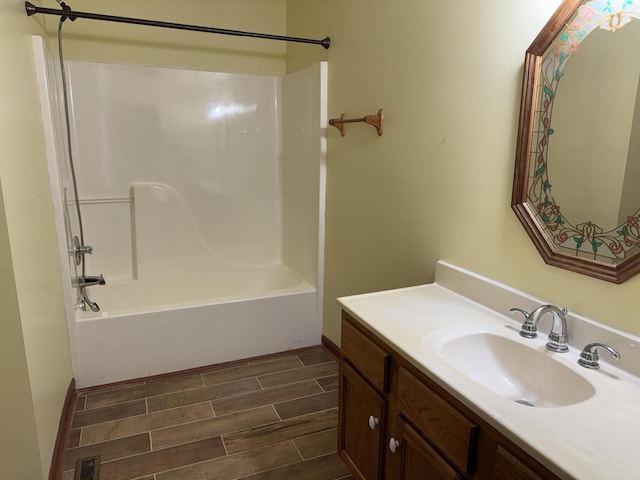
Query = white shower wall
x=210 y=140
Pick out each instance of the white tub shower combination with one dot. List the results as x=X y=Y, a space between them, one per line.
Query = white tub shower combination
x=202 y=195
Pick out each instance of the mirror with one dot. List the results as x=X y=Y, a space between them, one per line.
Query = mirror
x=577 y=175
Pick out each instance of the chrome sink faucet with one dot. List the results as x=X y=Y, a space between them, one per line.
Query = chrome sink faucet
x=558 y=336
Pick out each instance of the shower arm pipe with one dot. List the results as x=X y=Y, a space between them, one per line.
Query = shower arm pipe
x=66 y=12
x=377 y=121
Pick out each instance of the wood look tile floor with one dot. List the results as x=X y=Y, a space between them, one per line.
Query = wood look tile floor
x=273 y=418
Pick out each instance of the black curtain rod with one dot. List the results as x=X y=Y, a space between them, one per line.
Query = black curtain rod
x=66 y=12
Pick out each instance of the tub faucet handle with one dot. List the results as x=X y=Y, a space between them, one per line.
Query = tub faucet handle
x=84 y=301
x=79 y=250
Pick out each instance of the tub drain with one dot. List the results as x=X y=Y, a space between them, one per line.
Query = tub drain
x=522 y=401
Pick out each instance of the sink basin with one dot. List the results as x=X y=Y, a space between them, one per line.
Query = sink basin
x=515 y=371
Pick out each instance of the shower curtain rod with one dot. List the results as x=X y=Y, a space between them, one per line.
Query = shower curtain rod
x=66 y=12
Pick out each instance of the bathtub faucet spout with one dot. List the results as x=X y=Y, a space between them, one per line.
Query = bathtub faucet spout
x=87 y=281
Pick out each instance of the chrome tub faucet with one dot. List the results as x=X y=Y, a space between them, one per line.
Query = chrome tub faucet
x=558 y=336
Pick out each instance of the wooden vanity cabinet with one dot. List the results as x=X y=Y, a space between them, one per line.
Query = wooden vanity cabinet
x=396 y=423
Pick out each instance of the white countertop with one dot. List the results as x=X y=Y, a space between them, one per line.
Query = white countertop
x=594 y=439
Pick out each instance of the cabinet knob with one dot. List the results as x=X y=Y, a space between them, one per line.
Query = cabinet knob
x=393 y=445
x=373 y=422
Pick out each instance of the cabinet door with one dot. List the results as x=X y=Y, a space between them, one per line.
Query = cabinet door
x=418 y=459
x=361 y=425
x=508 y=467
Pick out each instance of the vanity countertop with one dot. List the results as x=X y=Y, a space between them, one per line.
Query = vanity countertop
x=593 y=439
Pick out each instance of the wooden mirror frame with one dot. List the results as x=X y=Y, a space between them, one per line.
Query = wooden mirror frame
x=525 y=212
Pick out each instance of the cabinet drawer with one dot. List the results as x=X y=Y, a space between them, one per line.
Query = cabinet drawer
x=448 y=430
x=370 y=360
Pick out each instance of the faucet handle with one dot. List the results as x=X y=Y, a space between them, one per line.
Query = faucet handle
x=528 y=329
x=520 y=310
x=589 y=356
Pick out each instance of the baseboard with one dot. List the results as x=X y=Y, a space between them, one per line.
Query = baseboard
x=64 y=429
x=331 y=347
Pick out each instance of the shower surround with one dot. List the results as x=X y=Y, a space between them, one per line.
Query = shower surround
x=202 y=194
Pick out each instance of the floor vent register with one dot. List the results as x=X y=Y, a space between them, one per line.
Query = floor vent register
x=88 y=468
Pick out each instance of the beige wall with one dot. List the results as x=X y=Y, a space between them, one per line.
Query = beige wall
x=31 y=248
x=437 y=184
x=119 y=43
x=19 y=451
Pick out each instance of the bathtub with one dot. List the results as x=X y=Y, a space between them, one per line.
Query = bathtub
x=136 y=335
x=185 y=305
